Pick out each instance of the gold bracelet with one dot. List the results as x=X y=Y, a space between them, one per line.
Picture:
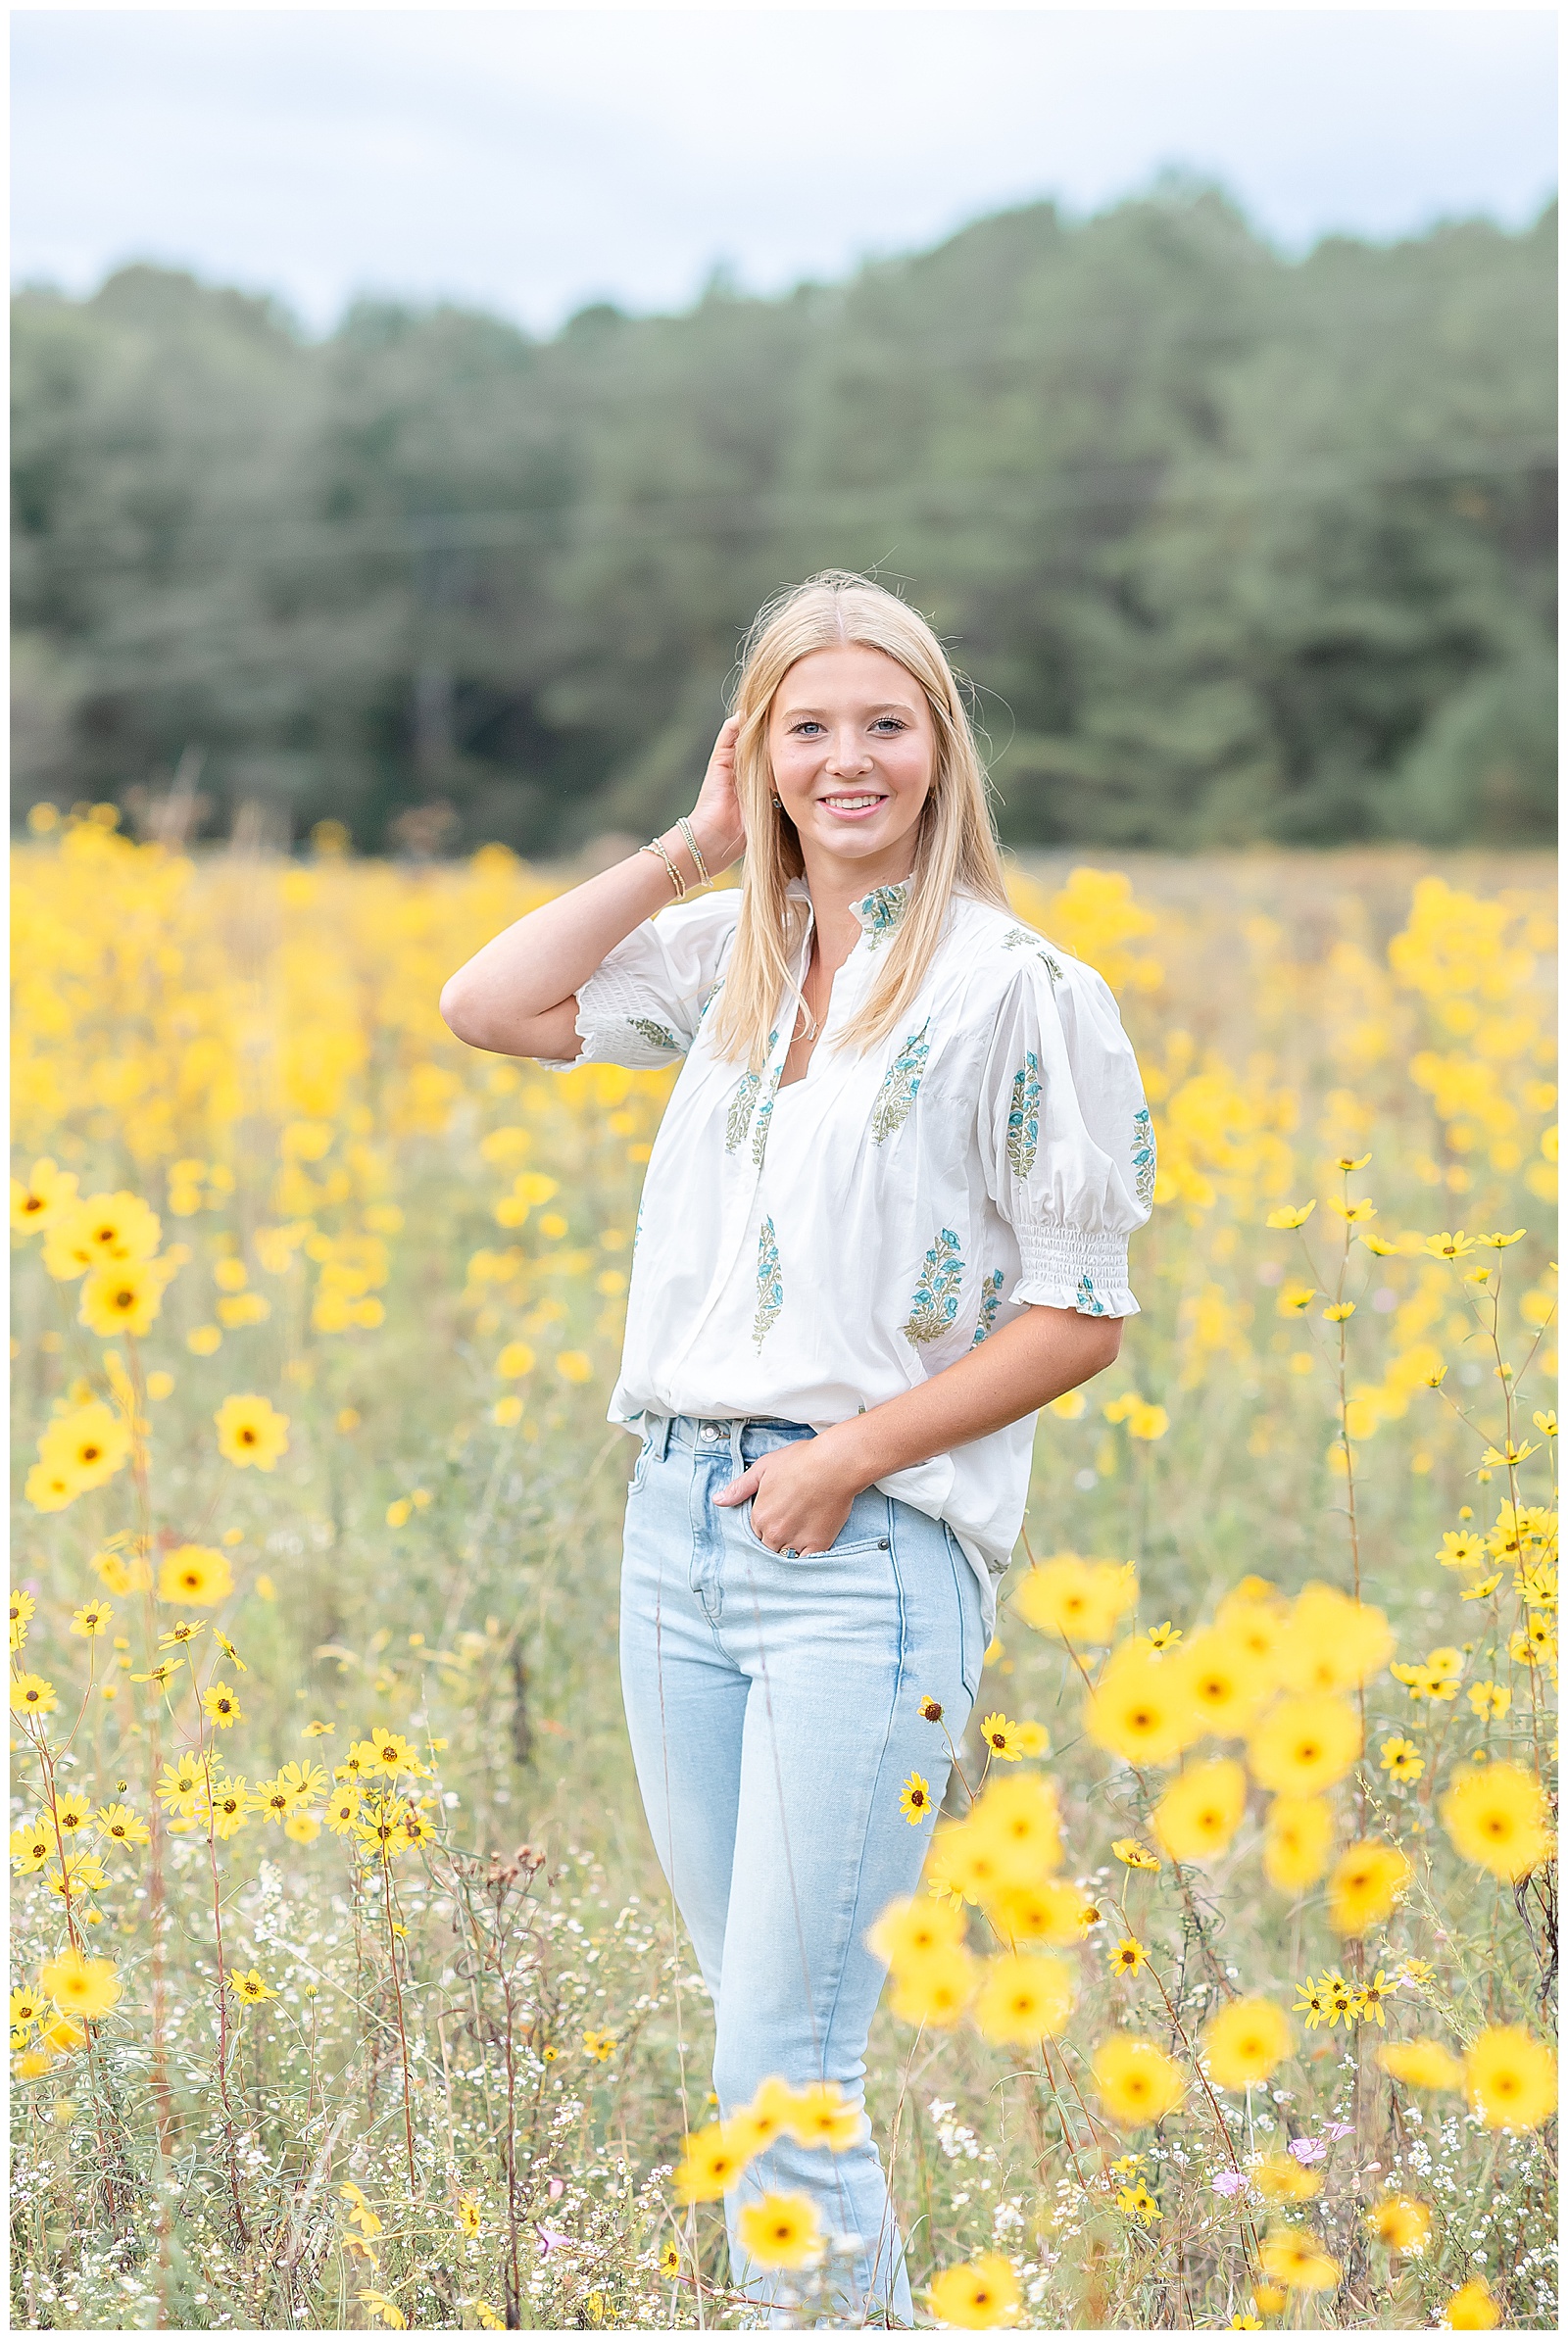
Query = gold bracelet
x=654 y=846
x=685 y=828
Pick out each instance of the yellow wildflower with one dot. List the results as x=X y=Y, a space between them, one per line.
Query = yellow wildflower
x=1498 y=1819
x=250 y=1431
x=781 y=2230
x=1400 y=2224
x=1402 y=1759
x=1245 y=2042
x=221 y=1705
x=1200 y=1812
x=1421 y=2063
x=714 y=2160
x=1511 y=2078
x=1136 y=2079
x=1366 y=1882
x=31 y=1695
x=1472 y=2307
x=84 y=1987
x=1292 y=2260
x=1304 y=1744
x=1001 y=1739
x=914 y=1799
x=977 y=2297
x=196 y=1574
x=248 y=1988
x=1024 y=1997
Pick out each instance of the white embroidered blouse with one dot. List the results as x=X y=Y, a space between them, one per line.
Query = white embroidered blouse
x=810 y=1251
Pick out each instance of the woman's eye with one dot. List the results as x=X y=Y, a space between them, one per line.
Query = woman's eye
x=809 y=724
x=888 y=723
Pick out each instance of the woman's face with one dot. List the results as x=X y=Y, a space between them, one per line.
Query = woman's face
x=853 y=751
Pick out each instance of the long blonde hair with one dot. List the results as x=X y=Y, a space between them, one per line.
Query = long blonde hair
x=954 y=846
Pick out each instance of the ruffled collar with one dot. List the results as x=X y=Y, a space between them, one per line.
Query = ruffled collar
x=880 y=912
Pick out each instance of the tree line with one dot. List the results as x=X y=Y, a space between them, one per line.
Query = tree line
x=1230 y=545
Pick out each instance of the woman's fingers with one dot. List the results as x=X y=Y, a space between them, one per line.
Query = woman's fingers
x=749 y=1484
x=722 y=762
x=739 y=1489
x=716 y=814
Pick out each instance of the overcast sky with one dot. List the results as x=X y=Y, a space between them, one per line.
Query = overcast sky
x=532 y=161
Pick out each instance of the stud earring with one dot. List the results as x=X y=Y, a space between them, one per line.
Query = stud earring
x=779 y=802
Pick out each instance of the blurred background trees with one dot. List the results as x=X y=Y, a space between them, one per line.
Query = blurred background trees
x=1232 y=546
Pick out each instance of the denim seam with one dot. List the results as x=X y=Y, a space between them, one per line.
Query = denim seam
x=956 y=1561
x=699 y=1508
x=898 y=1685
x=718 y=1521
x=892 y=2242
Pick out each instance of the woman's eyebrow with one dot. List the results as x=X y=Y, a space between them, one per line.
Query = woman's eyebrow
x=881 y=706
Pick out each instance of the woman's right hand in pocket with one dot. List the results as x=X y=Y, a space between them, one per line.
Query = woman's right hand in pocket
x=716 y=816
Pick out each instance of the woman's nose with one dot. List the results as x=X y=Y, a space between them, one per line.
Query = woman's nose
x=847 y=757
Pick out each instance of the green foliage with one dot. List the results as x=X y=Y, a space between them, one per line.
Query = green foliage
x=1232 y=546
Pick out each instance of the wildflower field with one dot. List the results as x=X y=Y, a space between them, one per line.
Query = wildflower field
x=345 y=1990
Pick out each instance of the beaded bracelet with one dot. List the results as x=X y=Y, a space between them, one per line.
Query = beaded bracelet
x=700 y=866
x=654 y=846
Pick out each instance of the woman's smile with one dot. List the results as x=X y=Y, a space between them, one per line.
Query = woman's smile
x=854 y=806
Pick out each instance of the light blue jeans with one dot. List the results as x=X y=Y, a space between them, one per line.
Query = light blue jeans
x=774 y=1713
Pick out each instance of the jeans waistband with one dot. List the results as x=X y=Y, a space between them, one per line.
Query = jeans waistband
x=701 y=1434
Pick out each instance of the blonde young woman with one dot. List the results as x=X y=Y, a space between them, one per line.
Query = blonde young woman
x=885 y=1221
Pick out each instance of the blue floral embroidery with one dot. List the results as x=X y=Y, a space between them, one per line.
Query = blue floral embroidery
x=1144 y=1157
x=989 y=1302
x=657 y=1036
x=1024 y=938
x=900 y=1085
x=935 y=1304
x=739 y=1119
x=1023 y=1117
x=740 y=1109
x=883 y=912
x=765 y=1114
x=1089 y=1302
x=770 y=1283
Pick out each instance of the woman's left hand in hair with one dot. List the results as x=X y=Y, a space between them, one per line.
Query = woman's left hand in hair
x=802 y=1494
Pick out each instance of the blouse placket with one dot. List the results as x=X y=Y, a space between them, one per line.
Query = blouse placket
x=745 y=1166
x=742 y=1171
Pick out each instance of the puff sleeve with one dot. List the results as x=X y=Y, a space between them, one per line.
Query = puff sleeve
x=1065 y=1135
x=643 y=1003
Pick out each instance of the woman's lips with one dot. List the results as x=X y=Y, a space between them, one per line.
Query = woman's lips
x=852 y=811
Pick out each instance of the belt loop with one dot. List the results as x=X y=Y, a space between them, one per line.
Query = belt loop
x=661 y=1436
x=737 y=1458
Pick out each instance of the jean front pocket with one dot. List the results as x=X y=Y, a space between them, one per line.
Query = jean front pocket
x=865 y=1531
x=639 y=1469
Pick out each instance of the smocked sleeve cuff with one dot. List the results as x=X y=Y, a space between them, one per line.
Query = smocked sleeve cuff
x=615 y=1028
x=1067 y=1267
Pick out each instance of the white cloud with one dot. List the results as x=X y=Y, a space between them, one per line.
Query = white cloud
x=533 y=160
